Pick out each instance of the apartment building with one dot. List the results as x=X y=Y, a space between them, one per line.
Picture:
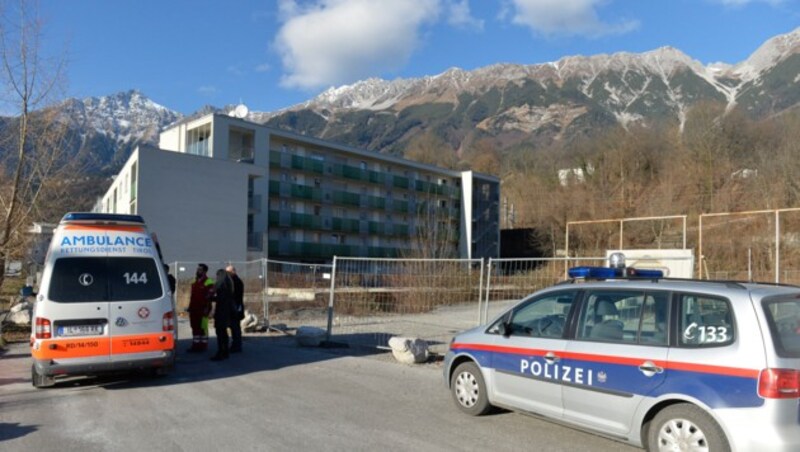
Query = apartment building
x=223 y=188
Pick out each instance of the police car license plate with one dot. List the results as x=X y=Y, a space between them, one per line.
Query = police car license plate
x=80 y=330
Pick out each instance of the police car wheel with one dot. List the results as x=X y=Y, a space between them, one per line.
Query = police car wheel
x=469 y=390
x=685 y=427
x=41 y=381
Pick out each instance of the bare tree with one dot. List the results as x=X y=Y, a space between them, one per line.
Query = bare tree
x=33 y=141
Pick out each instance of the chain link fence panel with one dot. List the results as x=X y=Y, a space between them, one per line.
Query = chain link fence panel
x=298 y=293
x=376 y=299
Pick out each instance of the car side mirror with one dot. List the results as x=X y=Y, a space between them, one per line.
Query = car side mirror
x=504 y=329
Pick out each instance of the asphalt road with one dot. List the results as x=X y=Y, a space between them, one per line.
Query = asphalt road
x=274 y=396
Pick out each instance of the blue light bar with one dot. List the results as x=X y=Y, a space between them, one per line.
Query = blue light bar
x=608 y=273
x=88 y=216
x=594 y=272
x=641 y=273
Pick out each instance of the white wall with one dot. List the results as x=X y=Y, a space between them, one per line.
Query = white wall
x=196 y=205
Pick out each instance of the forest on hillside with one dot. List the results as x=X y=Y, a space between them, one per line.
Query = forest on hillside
x=717 y=161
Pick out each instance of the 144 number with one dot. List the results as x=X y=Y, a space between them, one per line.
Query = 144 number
x=135 y=278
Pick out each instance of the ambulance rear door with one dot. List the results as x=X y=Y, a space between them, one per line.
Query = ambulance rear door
x=78 y=308
x=139 y=300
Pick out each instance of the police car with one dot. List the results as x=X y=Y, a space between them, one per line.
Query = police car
x=659 y=363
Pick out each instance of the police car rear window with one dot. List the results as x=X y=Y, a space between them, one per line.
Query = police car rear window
x=783 y=316
x=87 y=279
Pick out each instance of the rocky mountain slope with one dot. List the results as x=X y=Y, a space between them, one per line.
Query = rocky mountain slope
x=534 y=104
x=515 y=106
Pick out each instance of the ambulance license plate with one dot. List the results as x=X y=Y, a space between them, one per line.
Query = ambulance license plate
x=80 y=330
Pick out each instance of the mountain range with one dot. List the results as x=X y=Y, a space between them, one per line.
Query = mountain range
x=513 y=105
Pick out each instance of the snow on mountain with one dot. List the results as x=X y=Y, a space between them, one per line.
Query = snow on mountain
x=768 y=55
x=665 y=62
x=125 y=116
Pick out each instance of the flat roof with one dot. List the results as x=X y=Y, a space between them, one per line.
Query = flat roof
x=340 y=147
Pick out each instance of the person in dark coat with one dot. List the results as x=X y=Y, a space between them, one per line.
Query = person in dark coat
x=223 y=313
x=238 y=307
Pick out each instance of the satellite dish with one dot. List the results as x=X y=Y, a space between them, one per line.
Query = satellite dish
x=241 y=111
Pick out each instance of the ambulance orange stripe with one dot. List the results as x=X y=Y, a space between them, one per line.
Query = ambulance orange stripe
x=102 y=227
x=72 y=348
x=102 y=346
x=141 y=343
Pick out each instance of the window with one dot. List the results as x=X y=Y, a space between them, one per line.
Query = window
x=705 y=321
x=317 y=210
x=634 y=317
x=783 y=317
x=88 y=279
x=317 y=182
x=542 y=317
x=363 y=165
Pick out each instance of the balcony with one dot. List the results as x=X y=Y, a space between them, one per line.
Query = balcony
x=400 y=182
x=274 y=187
x=255 y=241
x=254 y=204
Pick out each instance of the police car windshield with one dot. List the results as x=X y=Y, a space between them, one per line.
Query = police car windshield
x=784 y=321
x=87 y=279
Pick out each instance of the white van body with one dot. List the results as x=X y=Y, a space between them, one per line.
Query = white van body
x=104 y=302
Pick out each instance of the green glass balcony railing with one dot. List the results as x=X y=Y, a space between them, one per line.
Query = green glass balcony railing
x=274 y=187
x=400 y=182
x=400 y=206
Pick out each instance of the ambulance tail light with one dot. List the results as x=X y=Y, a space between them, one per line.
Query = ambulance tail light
x=43 y=329
x=168 y=321
x=779 y=384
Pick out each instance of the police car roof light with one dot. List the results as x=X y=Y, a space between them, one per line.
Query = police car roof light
x=608 y=272
x=594 y=272
x=102 y=217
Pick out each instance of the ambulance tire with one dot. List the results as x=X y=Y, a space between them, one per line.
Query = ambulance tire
x=41 y=381
x=676 y=424
x=469 y=390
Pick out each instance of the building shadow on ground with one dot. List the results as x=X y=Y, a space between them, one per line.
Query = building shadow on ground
x=13 y=430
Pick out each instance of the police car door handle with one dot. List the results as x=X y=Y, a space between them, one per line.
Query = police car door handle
x=551 y=358
x=650 y=367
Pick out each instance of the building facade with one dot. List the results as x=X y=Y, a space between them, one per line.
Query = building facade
x=256 y=191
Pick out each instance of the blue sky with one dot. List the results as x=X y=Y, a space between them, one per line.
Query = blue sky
x=185 y=54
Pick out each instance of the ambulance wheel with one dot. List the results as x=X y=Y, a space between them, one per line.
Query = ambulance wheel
x=685 y=427
x=41 y=381
x=469 y=390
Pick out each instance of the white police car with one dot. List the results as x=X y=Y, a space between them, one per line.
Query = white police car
x=659 y=363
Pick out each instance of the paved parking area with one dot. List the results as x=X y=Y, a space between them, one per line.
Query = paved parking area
x=274 y=396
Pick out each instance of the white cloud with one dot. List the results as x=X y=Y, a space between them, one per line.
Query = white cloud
x=332 y=42
x=566 y=18
x=207 y=90
x=235 y=70
x=263 y=67
x=459 y=15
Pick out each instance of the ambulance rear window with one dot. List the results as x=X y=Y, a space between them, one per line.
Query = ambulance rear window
x=783 y=316
x=87 y=279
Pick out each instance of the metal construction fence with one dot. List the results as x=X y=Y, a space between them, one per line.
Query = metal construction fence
x=375 y=299
x=366 y=301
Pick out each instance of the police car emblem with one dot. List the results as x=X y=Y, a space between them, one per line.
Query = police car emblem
x=144 y=313
x=601 y=377
x=121 y=322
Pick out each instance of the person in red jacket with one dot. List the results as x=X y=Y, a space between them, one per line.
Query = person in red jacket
x=199 y=307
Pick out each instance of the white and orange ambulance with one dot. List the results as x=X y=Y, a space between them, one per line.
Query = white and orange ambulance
x=104 y=303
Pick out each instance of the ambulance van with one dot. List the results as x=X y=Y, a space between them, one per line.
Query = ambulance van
x=104 y=303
